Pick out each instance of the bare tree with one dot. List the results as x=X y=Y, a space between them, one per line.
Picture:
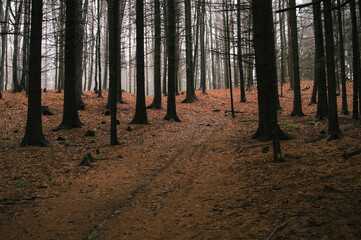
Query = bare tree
x=72 y=46
x=334 y=131
x=157 y=101
x=172 y=74
x=140 y=116
x=297 y=103
x=34 y=133
x=266 y=71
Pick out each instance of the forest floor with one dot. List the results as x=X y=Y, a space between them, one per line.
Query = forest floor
x=202 y=178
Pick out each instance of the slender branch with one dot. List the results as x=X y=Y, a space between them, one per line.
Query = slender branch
x=310 y=4
x=298 y=6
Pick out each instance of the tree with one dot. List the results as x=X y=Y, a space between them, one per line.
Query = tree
x=119 y=82
x=202 y=43
x=34 y=133
x=72 y=44
x=99 y=90
x=282 y=42
x=61 y=59
x=140 y=116
x=16 y=84
x=319 y=70
x=355 y=60
x=80 y=30
x=240 y=58
x=359 y=81
x=266 y=72
x=157 y=101
x=297 y=102
x=4 y=45
x=334 y=131
x=190 y=93
x=26 y=42
x=172 y=74
x=342 y=61
x=228 y=56
x=114 y=59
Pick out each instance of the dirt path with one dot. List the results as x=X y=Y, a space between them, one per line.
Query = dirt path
x=160 y=209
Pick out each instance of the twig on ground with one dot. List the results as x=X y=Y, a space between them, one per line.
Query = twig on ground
x=276 y=229
x=353 y=153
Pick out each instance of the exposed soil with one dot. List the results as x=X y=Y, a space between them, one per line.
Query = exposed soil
x=203 y=178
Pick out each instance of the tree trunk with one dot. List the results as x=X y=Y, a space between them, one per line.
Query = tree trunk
x=342 y=62
x=202 y=43
x=99 y=54
x=80 y=54
x=250 y=57
x=195 y=52
x=72 y=45
x=140 y=116
x=165 y=55
x=214 y=75
x=91 y=61
x=226 y=50
x=172 y=74
x=106 y=58
x=228 y=57
x=26 y=42
x=290 y=57
x=157 y=101
x=356 y=60
x=56 y=37
x=282 y=39
x=119 y=80
x=334 y=131
x=4 y=46
x=114 y=59
x=240 y=58
x=34 y=133
x=359 y=81
x=266 y=71
x=297 y=102
x=130 y=77
x=319 y=71
x=61 y=79
x=16 y=84
x=189 y=53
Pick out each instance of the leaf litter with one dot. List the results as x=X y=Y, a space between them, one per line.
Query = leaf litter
x=202 y=178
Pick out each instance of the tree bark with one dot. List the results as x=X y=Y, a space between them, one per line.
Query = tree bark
x=4 y=46
x=240 y=57
x=157 y=101
x=16 y=84
x=334 y=131
x=99 y=77
x=319 y=71
x=70 y=111
x=114 y=58
x=172 y=74
x=266 y=71
x=61 y=79
x=355 y=60
x=297 y=102
x=228 y=57
x=34 y=133
x=202 y=43
x=189 y=54
x=342 y=61
x=26 y=42
x=282 y=39
x=140 y=116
